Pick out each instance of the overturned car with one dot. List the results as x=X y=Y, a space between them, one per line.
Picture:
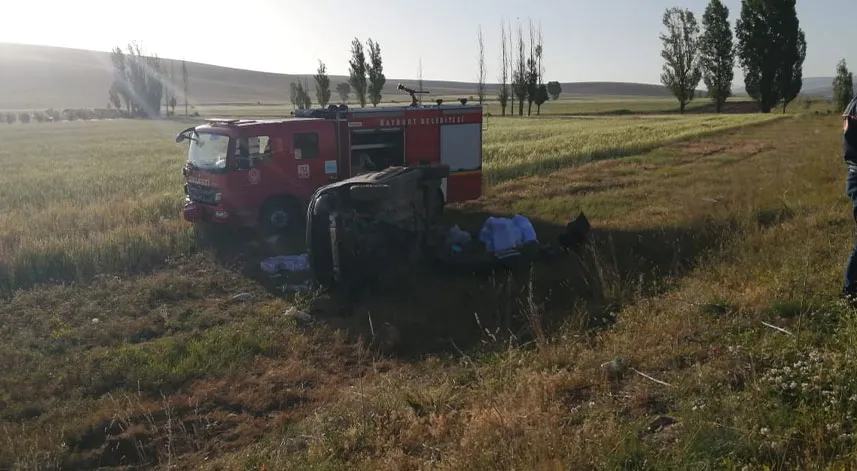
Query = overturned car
x=372 y=224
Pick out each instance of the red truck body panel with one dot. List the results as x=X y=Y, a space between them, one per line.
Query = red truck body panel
x=292 y=157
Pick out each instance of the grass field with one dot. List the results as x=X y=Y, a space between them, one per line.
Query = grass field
x=699 y=245
x=84 y=198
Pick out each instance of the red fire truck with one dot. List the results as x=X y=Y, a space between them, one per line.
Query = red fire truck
x=262 y=173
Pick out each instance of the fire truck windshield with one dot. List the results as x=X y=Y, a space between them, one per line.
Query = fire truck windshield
x=208 y=151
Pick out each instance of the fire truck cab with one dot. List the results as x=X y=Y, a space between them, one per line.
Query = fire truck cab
x=262 y=173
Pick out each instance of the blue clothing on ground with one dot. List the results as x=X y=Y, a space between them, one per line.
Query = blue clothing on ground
x=503 y=234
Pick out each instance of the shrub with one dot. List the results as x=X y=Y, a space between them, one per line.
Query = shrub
x=24 y=117
x=53 y=115
x=11 y=117
x=40 y=116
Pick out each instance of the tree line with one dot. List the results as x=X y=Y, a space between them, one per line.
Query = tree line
x=142 y=85
x=767 y=43
x=366 y=79
x=521 y=75
x=52 y=115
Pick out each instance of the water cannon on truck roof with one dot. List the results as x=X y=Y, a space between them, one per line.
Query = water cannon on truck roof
x=411 y=92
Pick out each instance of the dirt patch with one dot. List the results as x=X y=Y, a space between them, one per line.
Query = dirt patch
x=730 y=107
x=733 y=149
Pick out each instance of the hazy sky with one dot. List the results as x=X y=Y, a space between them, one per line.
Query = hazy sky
x=584 y=40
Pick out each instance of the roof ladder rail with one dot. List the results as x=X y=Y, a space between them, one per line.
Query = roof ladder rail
x=222 y=121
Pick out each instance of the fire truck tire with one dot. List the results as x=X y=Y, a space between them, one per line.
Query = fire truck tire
x=280 y=214
x=369 y=192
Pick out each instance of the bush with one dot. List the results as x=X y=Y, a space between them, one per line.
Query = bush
x=40 y=116
x=11 y=117
x=24 y=117
x=53 y=115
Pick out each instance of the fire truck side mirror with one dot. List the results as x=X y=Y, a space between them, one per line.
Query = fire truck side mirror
x=183 y=135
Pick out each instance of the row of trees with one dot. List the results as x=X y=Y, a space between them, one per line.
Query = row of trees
x=521 y=72
x=140 y=83
x=770 y=48
x=366 y=79
x=52 y=115
x=521 y=75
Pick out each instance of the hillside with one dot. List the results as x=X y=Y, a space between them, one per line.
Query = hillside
x=818 y=86
x=812 y=86
x=38 y=77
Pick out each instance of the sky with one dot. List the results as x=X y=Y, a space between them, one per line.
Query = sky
x=584 y=40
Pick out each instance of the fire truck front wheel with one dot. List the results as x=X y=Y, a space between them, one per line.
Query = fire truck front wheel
x=279 y=215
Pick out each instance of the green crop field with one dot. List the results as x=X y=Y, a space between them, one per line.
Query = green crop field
x=515 y=148
x=123 y=345
x=82 y=198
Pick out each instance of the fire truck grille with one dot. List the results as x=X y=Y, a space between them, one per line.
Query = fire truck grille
x=201 y=194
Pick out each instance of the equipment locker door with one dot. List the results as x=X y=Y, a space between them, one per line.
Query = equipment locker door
x=461 y=149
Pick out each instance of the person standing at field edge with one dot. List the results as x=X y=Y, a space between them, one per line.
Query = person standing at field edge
x=849 y=145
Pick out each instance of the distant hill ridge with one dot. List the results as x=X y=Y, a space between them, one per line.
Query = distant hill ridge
x=41 y=77
x=812 y=86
